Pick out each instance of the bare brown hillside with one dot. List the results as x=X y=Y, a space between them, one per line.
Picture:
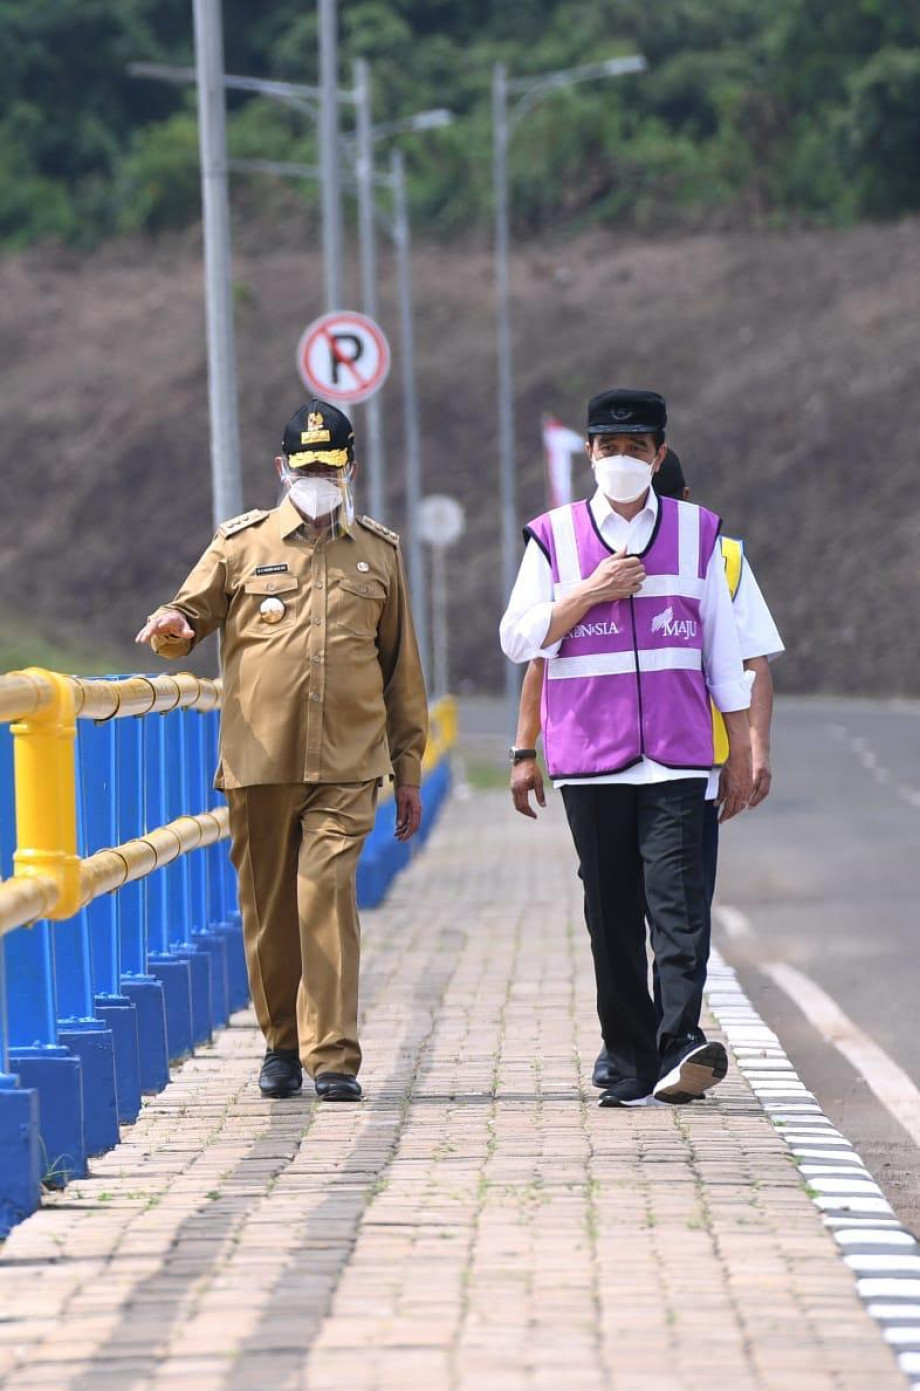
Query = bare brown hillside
x=791 y=364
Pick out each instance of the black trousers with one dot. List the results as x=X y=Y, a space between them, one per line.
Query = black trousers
x=710 y=872
x=641 y=847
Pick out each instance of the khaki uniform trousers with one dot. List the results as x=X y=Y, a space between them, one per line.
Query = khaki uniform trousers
x=295 y=848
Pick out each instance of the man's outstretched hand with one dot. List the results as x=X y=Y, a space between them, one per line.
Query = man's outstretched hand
x=408 y=811
x=168 y=624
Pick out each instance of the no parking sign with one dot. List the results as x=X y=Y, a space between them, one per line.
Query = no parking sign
x=343 y=357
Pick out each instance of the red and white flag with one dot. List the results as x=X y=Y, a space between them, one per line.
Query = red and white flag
x=560 y=445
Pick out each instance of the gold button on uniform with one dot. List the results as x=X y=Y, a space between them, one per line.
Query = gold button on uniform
x=271 y=610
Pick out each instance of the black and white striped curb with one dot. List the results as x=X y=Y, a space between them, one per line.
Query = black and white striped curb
x=883 y=1255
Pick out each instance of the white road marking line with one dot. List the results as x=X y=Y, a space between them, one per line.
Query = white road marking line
x=872 y=1236
x=876 y=1288
x=856 y=1212
x=811 y=1169
x=870 y=762
x=838 y=1204
x=849 y=1221
x=886 y=1263
x=886 y=1078
x=735 y=923
x=802 y=1152
x=890 y=1083
x=894 y=1311
x=846 y=1186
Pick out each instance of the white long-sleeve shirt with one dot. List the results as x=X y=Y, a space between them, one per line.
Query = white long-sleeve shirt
x=527 y=619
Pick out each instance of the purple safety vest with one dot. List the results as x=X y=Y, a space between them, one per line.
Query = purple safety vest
x=627 y=681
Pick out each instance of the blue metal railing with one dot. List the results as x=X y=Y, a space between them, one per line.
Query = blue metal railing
x=94 y=1008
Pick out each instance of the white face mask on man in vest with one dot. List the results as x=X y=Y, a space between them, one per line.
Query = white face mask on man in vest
x=623 y=478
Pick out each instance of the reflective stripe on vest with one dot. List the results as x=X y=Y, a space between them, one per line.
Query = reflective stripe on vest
x=733 y=556
x=619 y=674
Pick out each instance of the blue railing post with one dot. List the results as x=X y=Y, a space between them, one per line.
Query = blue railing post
x=34 y=1054
x=87 y=1037
x=20 y=1147
x=217 y=886
x=174 y=787
x=172 y=969
x=197 y=798
x=96 y=795
x=143 y=990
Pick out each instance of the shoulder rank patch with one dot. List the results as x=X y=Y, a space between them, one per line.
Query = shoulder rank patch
x=380 y=530
x=241 y=522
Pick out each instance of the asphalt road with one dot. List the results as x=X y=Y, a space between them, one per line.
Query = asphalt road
x=826 y=874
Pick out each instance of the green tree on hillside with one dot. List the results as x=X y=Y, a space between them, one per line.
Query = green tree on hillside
x=792 y=109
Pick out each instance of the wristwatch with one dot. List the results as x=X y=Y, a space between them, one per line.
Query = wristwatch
x=516 y=755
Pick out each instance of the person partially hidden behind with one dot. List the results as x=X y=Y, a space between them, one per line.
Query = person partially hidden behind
x=323 y=699
x=625 y=598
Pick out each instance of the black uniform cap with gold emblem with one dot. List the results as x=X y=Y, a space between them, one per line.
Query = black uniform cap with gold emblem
x=318 y=434
x=624 y=412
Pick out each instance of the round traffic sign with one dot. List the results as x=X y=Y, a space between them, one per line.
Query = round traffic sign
x=343 y=357
x=442 y=520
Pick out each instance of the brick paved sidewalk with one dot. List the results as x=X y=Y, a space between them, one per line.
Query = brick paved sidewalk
x=477 y=1223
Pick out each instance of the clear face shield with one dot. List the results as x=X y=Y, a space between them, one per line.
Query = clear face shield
x=323 y=495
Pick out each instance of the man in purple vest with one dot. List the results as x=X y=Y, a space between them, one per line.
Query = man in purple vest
x=625 y=597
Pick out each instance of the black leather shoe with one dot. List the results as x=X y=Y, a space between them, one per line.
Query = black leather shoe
x=337 y=1086
x=282 y=1073
x=605 y=1070
x=689 y=1067
x=626 y=1091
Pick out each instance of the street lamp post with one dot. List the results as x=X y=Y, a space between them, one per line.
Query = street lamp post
x=410 y=404
x=330 y=198
x=366 y=136
x=226 y=484
x=505 y=119
x=364 y=173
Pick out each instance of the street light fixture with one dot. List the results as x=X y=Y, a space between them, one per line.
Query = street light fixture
x=505 y=120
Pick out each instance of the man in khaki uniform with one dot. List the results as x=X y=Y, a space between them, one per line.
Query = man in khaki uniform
x=323 y=698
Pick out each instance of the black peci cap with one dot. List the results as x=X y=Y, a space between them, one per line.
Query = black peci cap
x=669 y=481
x=318 y=434
x=624 y=412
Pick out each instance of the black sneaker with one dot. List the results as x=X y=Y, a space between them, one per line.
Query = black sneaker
x=605 y=1070
x=282 y=1073
x=626 y=1091
x=689 y=1067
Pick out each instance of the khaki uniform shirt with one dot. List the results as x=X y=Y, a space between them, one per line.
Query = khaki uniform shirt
x=333 y=690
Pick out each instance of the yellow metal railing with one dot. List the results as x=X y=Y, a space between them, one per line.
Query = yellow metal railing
x=49 y=879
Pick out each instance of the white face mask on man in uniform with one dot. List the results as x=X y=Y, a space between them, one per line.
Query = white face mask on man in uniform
x=323 y=496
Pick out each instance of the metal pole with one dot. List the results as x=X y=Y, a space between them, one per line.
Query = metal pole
x=328 y=145
x=439 y=672
x=226 y=487
x=509 y=541
x=410 y=407
x=364 y=170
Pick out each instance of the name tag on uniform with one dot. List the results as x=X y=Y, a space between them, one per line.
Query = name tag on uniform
x=271 y=569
